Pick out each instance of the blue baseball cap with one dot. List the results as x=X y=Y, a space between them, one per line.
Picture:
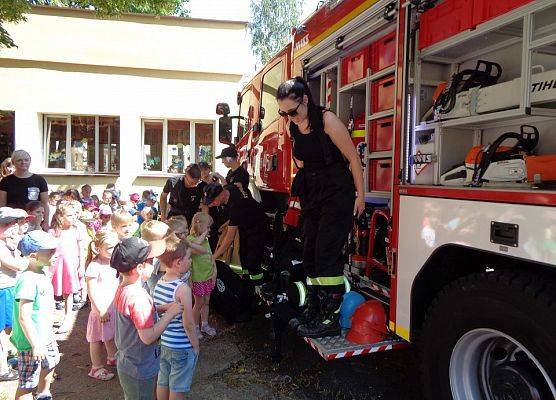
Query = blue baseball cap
x=35 y=241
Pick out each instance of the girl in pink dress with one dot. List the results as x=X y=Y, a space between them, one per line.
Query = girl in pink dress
x=67 y=269
x=102 y=284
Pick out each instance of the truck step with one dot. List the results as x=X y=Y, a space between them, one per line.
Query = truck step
x=332 y=348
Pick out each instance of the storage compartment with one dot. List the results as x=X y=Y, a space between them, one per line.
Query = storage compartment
x=483 y=10
x=445 y=20
x=381 y=134
x=382 y=94
x=354 y=66
x=383 y=52
x=380 y=175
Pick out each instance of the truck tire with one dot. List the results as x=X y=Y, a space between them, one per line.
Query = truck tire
x=491 y=336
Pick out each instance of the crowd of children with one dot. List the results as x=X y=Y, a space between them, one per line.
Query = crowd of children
x=144 y=279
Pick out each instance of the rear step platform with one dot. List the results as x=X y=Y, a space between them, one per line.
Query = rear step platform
x=332 y=348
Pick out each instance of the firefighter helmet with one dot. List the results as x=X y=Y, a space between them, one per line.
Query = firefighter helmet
x=368 y=323
x=351 y=301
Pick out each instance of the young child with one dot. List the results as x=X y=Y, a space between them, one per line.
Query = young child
x=104 y=215
x=53 y=200
x=67 y=268
x=36 y=210
x=147 y=214
x=203 y=272
x=102 y=284
x=10 y=264
x=33 y=310
x=154 y=231
x=180 y=345
x=178 y=225
x=138 y=355
x=108 y=199
x=86 y=195
x=85 y=242
x=122 y=222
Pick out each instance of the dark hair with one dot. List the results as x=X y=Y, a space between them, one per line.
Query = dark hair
x=295 y=89
x=110 y=186
x=73 y=193
x=193 y=171
x=33 y=205
x=203 y=165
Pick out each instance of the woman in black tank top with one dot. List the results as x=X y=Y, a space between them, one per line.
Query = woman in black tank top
x=329 y=183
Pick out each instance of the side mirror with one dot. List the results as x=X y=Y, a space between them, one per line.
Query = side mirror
x=225 y=130
x=222 y=109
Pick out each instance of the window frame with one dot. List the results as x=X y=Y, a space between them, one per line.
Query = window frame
x=192 y=154
x=67 y=169
x=267 y=72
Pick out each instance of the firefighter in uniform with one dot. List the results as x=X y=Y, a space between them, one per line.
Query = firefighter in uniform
x=246 y=217
x=331 y=193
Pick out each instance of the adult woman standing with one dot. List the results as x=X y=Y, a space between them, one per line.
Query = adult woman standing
x=22 y=186
x=322 y=150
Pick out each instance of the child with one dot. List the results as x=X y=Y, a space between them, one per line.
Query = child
x=124 y=225
x=102 y=284
x=178 y=225
x=203 y=272
x=138 y=353
x=108 y=199
x=33 y=309
x=10 y=265
x=67 y=268
x=85 y=242
x=36 y=210
x=147 y=214
x=86 y=195
x=53 y=200
x=180 y=345
x=153 y=231
x=105 y=214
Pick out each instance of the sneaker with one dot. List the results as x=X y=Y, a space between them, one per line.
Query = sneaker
x=209 y=330
x=59 y=305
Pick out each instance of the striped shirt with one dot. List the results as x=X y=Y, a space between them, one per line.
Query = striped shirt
x=174 y=336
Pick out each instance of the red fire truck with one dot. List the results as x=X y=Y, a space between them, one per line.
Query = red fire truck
x=453 y=109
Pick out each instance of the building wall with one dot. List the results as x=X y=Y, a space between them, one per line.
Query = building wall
x=114 y=76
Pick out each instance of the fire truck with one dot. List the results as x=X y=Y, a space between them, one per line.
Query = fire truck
x=452 y=107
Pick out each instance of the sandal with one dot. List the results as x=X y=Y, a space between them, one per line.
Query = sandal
x=11 y=375
x=101 y=374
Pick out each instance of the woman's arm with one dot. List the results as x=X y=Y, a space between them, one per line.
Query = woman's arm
x=43 y=197
x=3 y=198
x=226 y=242
x=339 y=134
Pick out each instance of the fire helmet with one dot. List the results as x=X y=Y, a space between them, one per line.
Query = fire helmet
x=368 y=323
x=351 y=301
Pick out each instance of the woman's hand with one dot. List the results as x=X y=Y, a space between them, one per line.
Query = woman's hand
x=359 y=206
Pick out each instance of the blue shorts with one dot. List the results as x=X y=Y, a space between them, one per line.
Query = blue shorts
x=6 y=307
x=176 y=369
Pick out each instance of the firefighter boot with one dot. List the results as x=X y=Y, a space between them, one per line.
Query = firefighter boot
x=312 y=310
x=328 y=321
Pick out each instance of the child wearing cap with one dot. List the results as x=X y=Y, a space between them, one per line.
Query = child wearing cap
x=180 y=344
x=10 y=265
x=153 y=231
x=137 y=328
x=33 y=309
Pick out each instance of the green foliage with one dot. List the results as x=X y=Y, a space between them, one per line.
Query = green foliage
x=13 y=10
x=271 y=25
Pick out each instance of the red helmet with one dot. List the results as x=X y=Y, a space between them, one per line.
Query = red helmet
x=368 y=324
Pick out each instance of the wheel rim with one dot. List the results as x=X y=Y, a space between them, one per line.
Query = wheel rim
x=489 y=365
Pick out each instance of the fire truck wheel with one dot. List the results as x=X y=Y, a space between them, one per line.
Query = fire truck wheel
x=491 y=336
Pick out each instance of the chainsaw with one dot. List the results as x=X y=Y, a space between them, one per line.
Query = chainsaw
x=497 y=165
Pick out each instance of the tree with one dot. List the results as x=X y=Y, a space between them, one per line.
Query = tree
x=271 y=25
x=13 y=10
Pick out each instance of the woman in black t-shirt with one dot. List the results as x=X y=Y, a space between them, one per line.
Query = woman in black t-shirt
x=22 y=186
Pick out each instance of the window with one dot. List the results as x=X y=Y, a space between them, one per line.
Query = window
x=170 y=145
x=92 y=142
x=271 y=81
x=245 y=112
x=7 y=132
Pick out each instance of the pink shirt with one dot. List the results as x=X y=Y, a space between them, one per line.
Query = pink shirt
x=107 y=281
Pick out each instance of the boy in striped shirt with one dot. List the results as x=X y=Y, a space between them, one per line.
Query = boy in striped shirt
x=179 y=343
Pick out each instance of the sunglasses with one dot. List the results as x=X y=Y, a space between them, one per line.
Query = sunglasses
x=291 y=113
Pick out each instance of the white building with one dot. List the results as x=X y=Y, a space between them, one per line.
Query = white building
x=128 y=100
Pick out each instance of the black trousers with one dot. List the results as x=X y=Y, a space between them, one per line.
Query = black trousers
x=327 y=221
x=251 y=250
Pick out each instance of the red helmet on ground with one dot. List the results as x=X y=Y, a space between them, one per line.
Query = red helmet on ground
x=368 y=324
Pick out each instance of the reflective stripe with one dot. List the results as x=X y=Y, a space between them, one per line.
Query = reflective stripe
x=326 y=281
x=256 y=277
x=347 y=285
x=302 y=293
x=238 y=270
x=358 y=133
